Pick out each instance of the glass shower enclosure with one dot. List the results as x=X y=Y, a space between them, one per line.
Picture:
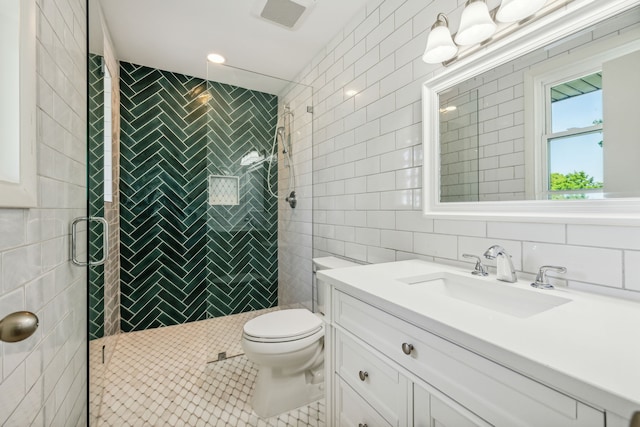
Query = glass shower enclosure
x=199 y=232
x=258 y=130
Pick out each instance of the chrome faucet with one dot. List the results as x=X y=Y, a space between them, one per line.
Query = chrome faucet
x=504 y=265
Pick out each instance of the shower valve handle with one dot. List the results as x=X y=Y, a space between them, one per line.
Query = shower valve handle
x=292 y=200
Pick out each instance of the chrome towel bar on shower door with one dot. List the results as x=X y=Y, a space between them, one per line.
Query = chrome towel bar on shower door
x=74 y=241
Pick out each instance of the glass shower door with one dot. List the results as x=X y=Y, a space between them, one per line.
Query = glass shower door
x=241 y=215
x=248 y=218
x=103 y=210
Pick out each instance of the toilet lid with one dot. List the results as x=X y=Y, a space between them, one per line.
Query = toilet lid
x=283 y=324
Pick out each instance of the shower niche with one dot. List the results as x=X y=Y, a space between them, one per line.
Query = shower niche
x=224 y=190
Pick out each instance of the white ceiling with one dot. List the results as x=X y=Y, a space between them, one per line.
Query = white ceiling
x=177 y=35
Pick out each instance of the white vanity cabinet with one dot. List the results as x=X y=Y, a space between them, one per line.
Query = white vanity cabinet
x=373 y=378
x=387 y=371
x=431 y=411
x=353 y=410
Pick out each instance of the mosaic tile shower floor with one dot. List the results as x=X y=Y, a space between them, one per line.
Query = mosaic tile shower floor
x=160 y=377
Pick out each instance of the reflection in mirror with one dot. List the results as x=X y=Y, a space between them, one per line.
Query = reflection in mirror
x=459 y=178
x=556 y=123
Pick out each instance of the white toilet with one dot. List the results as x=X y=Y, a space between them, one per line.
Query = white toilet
x=288 y=347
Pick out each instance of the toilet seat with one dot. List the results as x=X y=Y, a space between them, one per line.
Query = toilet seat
x=282 y=326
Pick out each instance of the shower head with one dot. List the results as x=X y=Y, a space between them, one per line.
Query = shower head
x=281 y=135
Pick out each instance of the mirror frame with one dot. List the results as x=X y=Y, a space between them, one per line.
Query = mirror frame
x=24 y=194
x=569 y=19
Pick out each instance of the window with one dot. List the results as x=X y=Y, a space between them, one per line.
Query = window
x=108 y=140
x=18 y=163
x=573 y=138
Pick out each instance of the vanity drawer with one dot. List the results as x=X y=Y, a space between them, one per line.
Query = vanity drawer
x=497 y=394
x=353 y=410
x=376 y=381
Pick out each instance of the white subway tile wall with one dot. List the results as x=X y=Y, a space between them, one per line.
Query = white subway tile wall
x=367 y=144
x=43 y=379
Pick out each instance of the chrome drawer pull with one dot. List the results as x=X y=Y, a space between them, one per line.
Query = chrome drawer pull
x=363 y=375
x=407 y=348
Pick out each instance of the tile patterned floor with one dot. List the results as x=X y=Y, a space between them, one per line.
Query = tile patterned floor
x=160 y=377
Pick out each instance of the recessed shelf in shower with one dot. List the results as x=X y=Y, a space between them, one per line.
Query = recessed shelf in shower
x=224 y=190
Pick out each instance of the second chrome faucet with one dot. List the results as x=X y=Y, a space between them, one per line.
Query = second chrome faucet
x=504 y=265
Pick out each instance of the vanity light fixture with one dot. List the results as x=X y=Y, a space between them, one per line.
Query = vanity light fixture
x=476 y=24
x=216 y=58
x=440 y=46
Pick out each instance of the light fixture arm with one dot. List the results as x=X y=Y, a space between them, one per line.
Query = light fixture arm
x=441 y=20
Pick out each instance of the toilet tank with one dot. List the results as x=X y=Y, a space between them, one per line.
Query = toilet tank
x=319 y=287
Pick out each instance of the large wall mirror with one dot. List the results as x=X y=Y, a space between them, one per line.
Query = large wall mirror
x=18 y=181
x=542 y=124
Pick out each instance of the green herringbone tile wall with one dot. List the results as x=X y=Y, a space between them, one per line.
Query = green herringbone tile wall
x=181 y=259
x=243 y=239
x=96 y=193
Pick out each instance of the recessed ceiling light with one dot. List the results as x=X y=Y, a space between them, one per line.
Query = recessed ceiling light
x=216 y=58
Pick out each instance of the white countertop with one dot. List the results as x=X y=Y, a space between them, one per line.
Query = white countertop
x=588 y=348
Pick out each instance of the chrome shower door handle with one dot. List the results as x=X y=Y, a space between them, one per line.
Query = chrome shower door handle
x=74 y=241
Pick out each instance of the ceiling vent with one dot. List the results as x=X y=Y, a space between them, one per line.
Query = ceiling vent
x=288 y=13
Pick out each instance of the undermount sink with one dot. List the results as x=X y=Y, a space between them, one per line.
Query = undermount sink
x=493 y=295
